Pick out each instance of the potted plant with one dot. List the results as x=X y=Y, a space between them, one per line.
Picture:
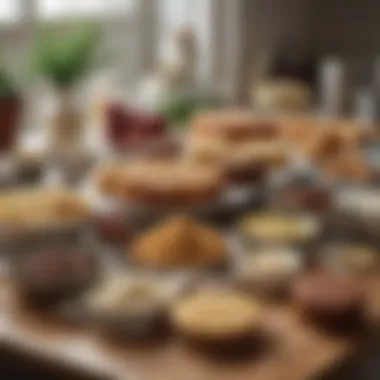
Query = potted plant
x=64 y=59
x=10 y=111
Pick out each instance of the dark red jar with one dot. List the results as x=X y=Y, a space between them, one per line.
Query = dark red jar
x=10 y=113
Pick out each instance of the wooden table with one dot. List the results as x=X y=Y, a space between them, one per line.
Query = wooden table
x=299 y=351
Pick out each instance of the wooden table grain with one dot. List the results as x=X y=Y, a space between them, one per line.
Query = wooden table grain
x=298 y=350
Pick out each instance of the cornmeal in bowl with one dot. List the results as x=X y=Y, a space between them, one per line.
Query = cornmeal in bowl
x=216 y=316
x=274 y=227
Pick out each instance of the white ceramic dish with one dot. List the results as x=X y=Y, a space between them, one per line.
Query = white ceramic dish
x=269 y=270
x=360 y=207
x=117 y=307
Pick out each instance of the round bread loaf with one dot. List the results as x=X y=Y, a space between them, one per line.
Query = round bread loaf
x=234 y=126
x=163 y=183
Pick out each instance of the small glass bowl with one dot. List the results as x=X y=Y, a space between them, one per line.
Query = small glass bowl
x=306 y=239
x=269 y=270
x=133 y=321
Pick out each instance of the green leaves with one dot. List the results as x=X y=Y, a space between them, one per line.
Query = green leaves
x=64 y=58
x=178 y=109
x=7 y=85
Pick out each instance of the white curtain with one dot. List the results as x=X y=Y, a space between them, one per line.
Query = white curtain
x=52 y=9
x=173 y=14
x=10 y=10
x=196 y=14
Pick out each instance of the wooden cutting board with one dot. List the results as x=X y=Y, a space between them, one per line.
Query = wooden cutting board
x=298 y=350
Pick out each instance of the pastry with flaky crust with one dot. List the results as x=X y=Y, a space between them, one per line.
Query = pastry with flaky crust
x=244 y=162
x=271 y=154
x=42 y=208
x=234 y=126
x=241 y=143
x=348 y=166
x=351 y=132
x=162 y=182
x=321 y=140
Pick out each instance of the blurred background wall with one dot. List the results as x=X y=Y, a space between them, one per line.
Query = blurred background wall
x=312 y=30
x=233 y=35
x=347 y=27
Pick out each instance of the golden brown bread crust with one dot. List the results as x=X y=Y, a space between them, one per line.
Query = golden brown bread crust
x=234 y=126
x=271 y=154
x=162 y=182
x=321 y=140
x=42 y=208
x=253 y=161
x=243 y=162
x=244 y=145
x=348 y=166
x=108 y=181
x=327 y=144
x=180 y=242
x=351 y=131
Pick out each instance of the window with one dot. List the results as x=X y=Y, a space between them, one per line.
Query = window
x=10 y=11
x=196 y=14
x=176 y=12
x=146 y=27
x=55 y=9
x=119 y=21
